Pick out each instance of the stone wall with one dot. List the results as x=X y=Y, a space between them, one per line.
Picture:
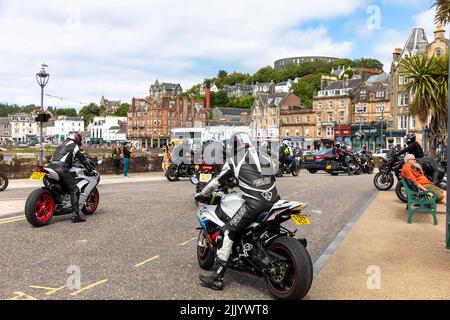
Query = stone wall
x=20 y=166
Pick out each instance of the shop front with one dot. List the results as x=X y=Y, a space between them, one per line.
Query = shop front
x=342 y=134
x=370 y=136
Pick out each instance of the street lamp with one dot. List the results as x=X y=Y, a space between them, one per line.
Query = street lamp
x=382 y=119
x=42 y=79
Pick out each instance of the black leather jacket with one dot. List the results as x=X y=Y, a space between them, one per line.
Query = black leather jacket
x=66 y=153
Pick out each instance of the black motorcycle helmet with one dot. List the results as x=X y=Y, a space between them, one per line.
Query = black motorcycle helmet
x=410 y=138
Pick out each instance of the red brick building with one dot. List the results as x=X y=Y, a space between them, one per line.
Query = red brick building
x=150 y=120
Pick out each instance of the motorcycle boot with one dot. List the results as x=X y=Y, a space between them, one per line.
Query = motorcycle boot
x=77 y=215
x=215 y=280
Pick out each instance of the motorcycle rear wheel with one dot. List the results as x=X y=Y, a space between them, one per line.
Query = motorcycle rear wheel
x=171 y=173
x=3 y=182
x=40 y=207
x=400 y=192
x=293 y=279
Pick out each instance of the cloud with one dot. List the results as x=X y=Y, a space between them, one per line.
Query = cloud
x=117 y=49
x=425 y=20
x=385 y=43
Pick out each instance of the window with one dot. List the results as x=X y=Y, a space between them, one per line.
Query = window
x=403 y=99
x=319 y=132
x=342 y=103
x=413 y=122
x=380 y=94
x=330 y=104
x=287 y=133
x=438 y=52
x=307 y=132
x=297 y=132
x=307 y=119
x=330 y=116
x=341 y=116
x=330 y=131
x=402 y=80
x=363 y=94
x=319 y=105
x=379 y=109
x=319 y=117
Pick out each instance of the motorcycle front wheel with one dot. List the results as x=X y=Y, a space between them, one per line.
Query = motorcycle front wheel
x=205 y=252
x=3 y=182
x=292 y=277
x=383 y=180
x=92 y=202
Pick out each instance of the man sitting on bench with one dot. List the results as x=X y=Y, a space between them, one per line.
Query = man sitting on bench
x=413 y=171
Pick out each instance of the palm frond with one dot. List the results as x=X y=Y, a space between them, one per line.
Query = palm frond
x=442 y=12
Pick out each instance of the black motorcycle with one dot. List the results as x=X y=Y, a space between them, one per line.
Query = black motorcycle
x=367 y=162
x=336 y=167
x=176 y=171
x=384 y=179
x=205 y=173
x=287 y=169
x=3 y=181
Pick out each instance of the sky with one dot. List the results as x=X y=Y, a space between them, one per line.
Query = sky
x=119 y=48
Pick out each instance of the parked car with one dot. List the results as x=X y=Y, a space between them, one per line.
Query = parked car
x=381 y=153
x=318 y=160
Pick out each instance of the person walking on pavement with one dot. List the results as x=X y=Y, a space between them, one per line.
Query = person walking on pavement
x=128 y=149
x=116 y=155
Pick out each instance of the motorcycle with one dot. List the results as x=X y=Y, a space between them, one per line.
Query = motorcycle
x=384 y=179
x=3 y=182
x=367 y=162
x=286 y=169
x=205 y=173
x=266 y=249
x=53 y=200
x=176 y=171
x=334 y=167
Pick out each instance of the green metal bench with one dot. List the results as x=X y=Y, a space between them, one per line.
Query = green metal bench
x=419 y=200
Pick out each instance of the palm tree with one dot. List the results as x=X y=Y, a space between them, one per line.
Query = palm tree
x=442 y=16
x=427 y=82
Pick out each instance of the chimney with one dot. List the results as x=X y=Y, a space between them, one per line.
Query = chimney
x=396 y=55
x=208 y=94
x=439 y=33
x=345 y=80
x=366 y=73
x=325 y=81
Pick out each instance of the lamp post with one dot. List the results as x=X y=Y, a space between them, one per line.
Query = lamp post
x=382 y=119
x=42 y=79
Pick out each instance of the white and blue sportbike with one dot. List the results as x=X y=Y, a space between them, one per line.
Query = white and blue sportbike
x=266 y=249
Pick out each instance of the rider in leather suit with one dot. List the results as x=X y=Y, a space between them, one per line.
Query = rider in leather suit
x=256 y=181
x=413 y=147
x=62 y=162
x=341 y=155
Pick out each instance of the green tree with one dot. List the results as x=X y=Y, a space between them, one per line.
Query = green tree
x=122 y=110
x=219 y=99
x=88 y=112
x=6 y=110
x=306 y=87
x=442 y=16
x=368 y=63
x=69 y=112
x=244 y=102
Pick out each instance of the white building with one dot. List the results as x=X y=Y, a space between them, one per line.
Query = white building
x=222 y=133
x=285 y=86
x=105 y=129
x=58 y=129
x=23 y=127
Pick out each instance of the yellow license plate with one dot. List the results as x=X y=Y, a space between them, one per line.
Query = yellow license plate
x=167 y=165
x=328 y=167
x=38 y=176
x=309 y=158
x=300 y=219
x=205 y=177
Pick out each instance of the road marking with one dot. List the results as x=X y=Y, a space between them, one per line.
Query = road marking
x=13 y=219
x=19 y=295
x=146 y=261
x=89 y=287
x=50 y=290
x=185 y=243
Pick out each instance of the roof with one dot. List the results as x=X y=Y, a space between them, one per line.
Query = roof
x=225 y=123
x=114 y=128
x=339 y=84
x=382 y=77
x=232 y=111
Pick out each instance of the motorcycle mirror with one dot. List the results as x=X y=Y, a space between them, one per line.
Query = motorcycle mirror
x=194 y=180
x=99 y=162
